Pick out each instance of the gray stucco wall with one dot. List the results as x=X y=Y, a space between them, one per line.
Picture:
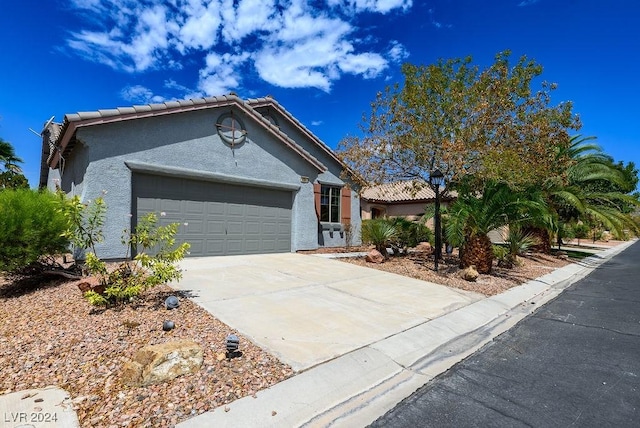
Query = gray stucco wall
x=333 y=176
x=188 y=141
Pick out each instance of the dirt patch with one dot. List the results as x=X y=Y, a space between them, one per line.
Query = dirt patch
x=49 y=335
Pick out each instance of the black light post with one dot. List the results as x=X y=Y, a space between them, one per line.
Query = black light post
x=436 y=179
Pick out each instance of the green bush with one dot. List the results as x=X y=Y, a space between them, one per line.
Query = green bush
x=154 y=264
x=85 y=220
x=409 y=233
x=31 y=226
x=379 y=232
x=580 y=231
x=517 y=243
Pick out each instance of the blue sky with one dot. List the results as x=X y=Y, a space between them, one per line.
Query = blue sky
x=323 y=60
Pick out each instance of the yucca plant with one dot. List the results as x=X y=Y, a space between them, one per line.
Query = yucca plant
x=518 y=243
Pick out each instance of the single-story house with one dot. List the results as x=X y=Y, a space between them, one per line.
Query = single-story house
x=239 y=176
x=403 y=199
x=399 y=199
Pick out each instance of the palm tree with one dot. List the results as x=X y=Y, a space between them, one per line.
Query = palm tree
x=472 y=217
x=571 y=196
x=8 y=157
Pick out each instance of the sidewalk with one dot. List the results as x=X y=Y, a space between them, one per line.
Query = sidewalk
x=358 y=387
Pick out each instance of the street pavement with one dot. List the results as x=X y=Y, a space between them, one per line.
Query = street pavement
x=574 y=362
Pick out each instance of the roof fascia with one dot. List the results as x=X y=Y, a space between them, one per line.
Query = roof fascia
x=270 y=102
x=74 y=121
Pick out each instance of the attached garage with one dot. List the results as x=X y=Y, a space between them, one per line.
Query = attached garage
x=218 y=218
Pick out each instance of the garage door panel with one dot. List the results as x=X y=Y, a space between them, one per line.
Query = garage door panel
x=193 y=227
x=215 y=228
x=221 y=218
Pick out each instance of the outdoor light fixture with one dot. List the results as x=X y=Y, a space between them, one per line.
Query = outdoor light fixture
x=168 y=325
x=232 y=345
x=436 y=179
x=172 y=302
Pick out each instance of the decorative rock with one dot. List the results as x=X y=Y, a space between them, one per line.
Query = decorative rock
x=374 y=256
x=469 y=274
x=172 y=302
x=424 y=246
x=159 y=363
x=91 y=283
x=168 y=325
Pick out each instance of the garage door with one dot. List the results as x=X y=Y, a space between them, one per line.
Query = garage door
x=218 y=218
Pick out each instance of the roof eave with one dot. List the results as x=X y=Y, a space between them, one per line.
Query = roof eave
x=74 y=121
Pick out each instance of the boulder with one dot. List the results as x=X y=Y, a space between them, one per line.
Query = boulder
x=159 y=363
x=374 y=256
x=469 y=274
x=424 y=246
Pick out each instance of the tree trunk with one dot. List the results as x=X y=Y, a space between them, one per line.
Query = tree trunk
x=542 y=236
x=479 y=253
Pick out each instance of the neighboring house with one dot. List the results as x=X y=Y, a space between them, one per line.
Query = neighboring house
x=241 y=177
x=398 y=199
x=401 y=199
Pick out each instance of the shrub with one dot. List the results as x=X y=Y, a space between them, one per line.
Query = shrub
x=409 y=233
x=154 y=263
x=85 y=222
x=580 y=231
x=501 y=254
x=31 y=226
x=518 y=243
x=378 y=232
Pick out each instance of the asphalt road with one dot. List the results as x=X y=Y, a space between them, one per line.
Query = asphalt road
x=573 y=363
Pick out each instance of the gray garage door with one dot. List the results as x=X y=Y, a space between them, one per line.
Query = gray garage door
x=216 y=218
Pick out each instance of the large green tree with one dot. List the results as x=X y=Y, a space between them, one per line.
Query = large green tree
x=471 y=124
x=11 y=176
x=593 y=190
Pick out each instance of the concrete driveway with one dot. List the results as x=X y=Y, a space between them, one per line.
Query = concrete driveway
x=307 y=309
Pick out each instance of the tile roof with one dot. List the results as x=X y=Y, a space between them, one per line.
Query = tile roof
x=401 y=191
x=268 y=101
x=81 y=119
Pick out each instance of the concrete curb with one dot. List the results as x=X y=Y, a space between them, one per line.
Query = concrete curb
x=357 y=388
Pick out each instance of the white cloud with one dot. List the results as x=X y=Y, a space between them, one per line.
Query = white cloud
x=380 y=6
x=140 y=95
x=397 y=52
x=221 y=74
x=527 y=2
x=199 y=28
x=289 y=43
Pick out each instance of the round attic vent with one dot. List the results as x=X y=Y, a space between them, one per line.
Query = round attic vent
x=231 y=129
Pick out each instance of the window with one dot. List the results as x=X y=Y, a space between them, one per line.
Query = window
x=330 y=204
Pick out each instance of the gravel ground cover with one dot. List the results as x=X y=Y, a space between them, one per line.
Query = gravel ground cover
x=420 y=266
x=49 y=335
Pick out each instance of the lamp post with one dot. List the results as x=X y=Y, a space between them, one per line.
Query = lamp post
x=436 y=179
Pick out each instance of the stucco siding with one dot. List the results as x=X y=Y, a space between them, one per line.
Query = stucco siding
x=188 y=141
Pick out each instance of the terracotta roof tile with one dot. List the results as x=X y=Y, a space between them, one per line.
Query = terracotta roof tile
x=400 y=191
